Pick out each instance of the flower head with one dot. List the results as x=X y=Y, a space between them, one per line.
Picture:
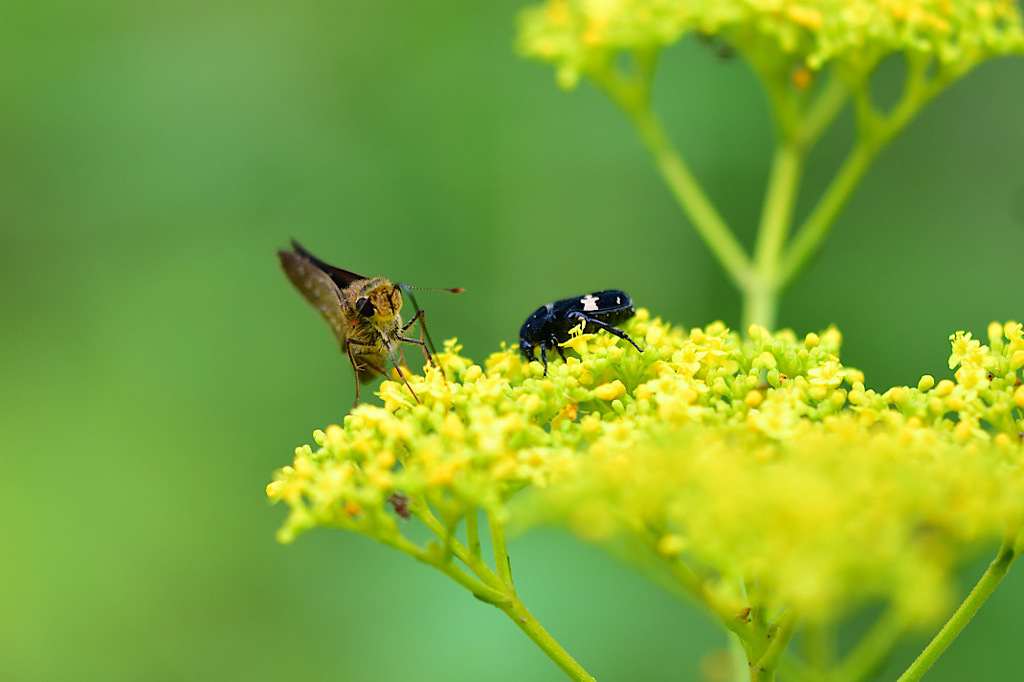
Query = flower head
x=763 y=458
x=581 y=37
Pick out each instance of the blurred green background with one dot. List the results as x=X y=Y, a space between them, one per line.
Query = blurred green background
x=156 y=367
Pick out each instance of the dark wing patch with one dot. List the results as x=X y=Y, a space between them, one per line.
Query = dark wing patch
x=318 y=288
x=341 y=277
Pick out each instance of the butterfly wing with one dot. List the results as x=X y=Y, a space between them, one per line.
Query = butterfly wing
x=342 y=278
x=317 y=287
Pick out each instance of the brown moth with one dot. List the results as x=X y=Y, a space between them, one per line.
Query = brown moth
x=363 y=312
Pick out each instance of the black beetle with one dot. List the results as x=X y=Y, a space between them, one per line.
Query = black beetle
x=549 y=326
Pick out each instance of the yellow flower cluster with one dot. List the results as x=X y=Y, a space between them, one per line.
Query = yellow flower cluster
x=580 y=36
x=762 y=463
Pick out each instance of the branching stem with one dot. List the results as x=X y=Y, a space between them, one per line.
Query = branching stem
x=492 y=586
x=990 y=579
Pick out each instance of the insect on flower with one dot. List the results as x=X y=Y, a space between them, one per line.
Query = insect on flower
x=363 y=312
x=550 y=325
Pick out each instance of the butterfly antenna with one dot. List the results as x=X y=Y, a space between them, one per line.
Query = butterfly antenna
x=408 y=290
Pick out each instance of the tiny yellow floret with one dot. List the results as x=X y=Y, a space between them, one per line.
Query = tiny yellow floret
x=944 y=388
x=334 y=437
x=303 y=467
x=274 y=489
x=473 y=372
x=671 y=545
x=1017 y=360
x=805 y=16
x=896 y=395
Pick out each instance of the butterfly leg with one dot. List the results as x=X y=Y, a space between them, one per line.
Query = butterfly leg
x=355 y=370
x=398 y=367
x=421 y=316
x=364 y=371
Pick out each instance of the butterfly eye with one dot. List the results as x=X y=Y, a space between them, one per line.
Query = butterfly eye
x=364 y=307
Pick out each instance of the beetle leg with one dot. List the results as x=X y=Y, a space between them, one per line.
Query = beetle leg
x=558 y=347
x=531 y=353
x=608 y=328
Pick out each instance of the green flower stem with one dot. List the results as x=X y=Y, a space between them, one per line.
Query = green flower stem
x=821 y=219
x=761 y=293
x=496 y=590
x=993 y=575
x=763 y=668
x=402 y=544
x=473 y=534
x=691 y=197
x=501 y=561
x=1018 y=543
x=801 y=119
x=510 y=605
x=740 y=665
x=695 y=586
x=798 y=129
x=872 y=649
x=829 y=101
x=474 y=563
x=477 y=588
x=875 y=131
x=514 y=609
x=633 y=96
x=762 y=281
x=783 y=183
